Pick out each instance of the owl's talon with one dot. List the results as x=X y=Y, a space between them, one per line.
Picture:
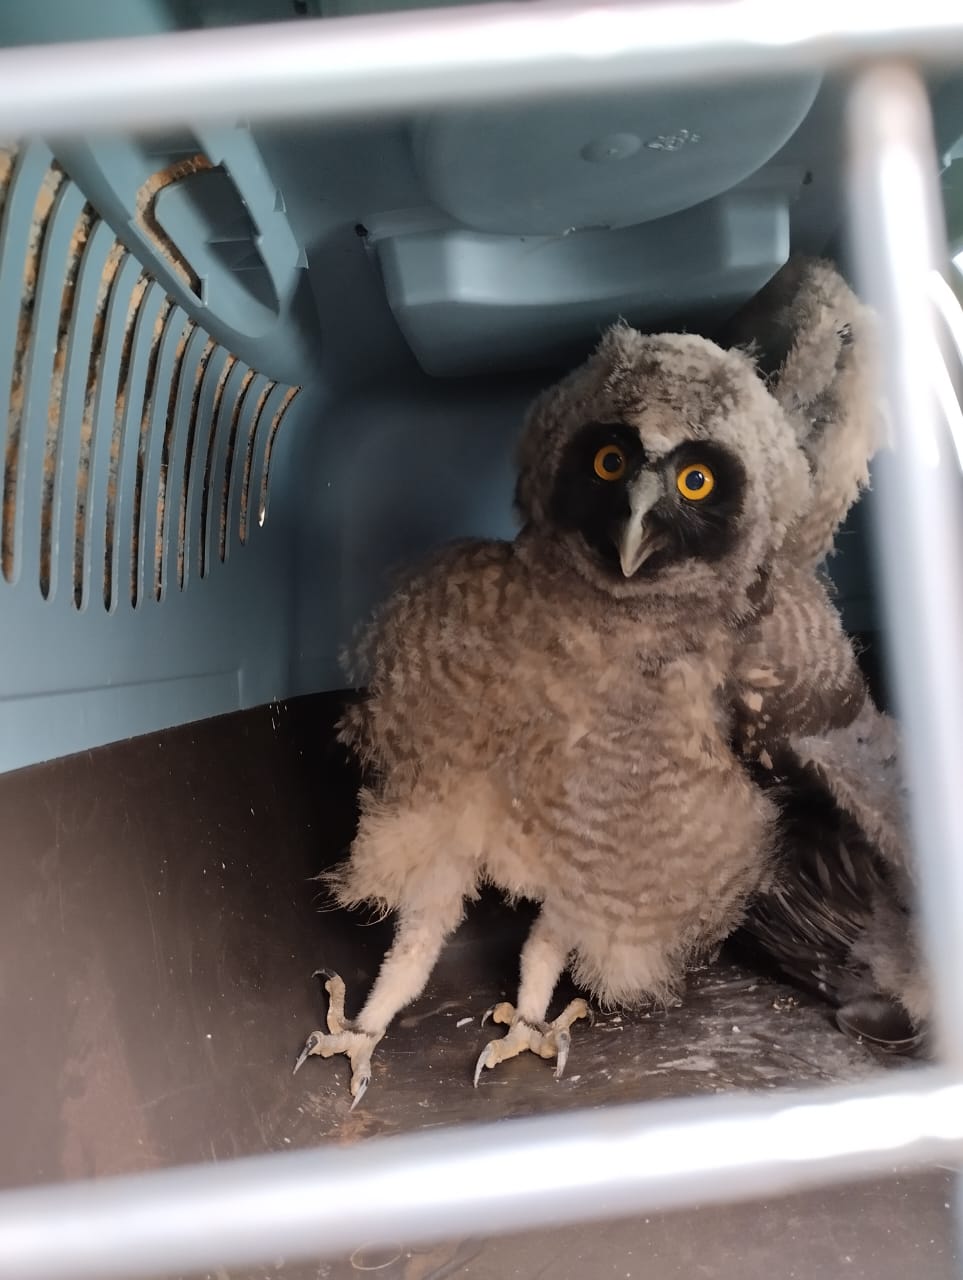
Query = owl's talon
x=310 y=1046
x=502 y=1012
x=485 y=1059
x=359 y=1086
x=546 y=1040
x=564 y=1039
x=341 y=1037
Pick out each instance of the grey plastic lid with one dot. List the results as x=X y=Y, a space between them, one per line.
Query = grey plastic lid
x=550 y=167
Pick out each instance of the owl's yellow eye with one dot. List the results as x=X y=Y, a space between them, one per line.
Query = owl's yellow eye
x=695 y=482
x=610 y=462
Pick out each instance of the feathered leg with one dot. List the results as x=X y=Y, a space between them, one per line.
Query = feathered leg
x=544 y=957
x=404 y=973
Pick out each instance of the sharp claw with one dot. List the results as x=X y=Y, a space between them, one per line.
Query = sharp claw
x=362 y=1089
x=310 y=1045
x=487 y=1014
x=564 y=1041
x=590 y=1014
x=484 y=1060
x=324 y=973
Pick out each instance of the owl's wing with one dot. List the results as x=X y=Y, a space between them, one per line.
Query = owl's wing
x=838 y=919
x=820 y=901
x=795 y=671
x=433 y=663
x=815 y=343
x=859 y=766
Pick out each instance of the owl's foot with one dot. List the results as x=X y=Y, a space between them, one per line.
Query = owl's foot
x=341 y=1037
x=547 y=1039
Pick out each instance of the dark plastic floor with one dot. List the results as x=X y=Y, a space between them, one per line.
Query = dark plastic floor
x=159 y=928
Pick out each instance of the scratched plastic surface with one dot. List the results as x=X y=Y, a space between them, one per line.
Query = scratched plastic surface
x=160 y=939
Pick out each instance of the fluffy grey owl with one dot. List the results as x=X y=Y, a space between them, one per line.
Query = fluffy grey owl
x=838 y=918
x=531 y=706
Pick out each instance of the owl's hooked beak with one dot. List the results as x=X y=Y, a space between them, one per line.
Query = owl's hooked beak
x=637 y=542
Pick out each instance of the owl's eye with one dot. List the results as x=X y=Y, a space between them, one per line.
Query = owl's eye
x=695 y=482
x=610 y=462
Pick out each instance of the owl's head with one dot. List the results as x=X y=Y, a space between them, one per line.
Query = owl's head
x=662 y=466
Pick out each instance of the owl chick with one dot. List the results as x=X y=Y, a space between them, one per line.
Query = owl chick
x=838 y=918
x=531 y=706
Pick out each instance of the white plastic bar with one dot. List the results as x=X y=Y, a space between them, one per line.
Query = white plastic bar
x=602 y=1163
x=363 y=65
x=479 y=1180
x=900 y=242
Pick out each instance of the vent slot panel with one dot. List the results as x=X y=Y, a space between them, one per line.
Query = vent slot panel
x=238 y=380
x=190 y=362
x=74 y=222
x=159 y=369
x=276 y=421
x=224 y=475
x=190 y=527
x=35 y=253
x=136 y=449
x=130 y=378
x=258 y=430
x=27 y=200
x=119 y=281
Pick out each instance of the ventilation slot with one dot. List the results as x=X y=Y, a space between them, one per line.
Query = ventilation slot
x=32 y=236
x=276 y=421
x=239 y=407
x=7 y=157
x=108 y=276
x=134 y=308
x=252 y=436
x=79 y=237
x=205 y=365
x=143 y=442
x=132 y=438
x=204 y=561
x=186 y=381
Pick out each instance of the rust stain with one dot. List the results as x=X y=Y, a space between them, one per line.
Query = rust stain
x=145 y=217
x=79 y=239
x=8 y=157
x=147 y=413
x=249 y=458
x=50 y=185
x=229 y=465
x=203 y=564
x=269 y=449
x=137 y=296
x=202 y=364
x=105 y=288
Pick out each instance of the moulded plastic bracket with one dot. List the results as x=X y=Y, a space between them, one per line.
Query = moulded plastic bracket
x=469 y=302
x=200 y=210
